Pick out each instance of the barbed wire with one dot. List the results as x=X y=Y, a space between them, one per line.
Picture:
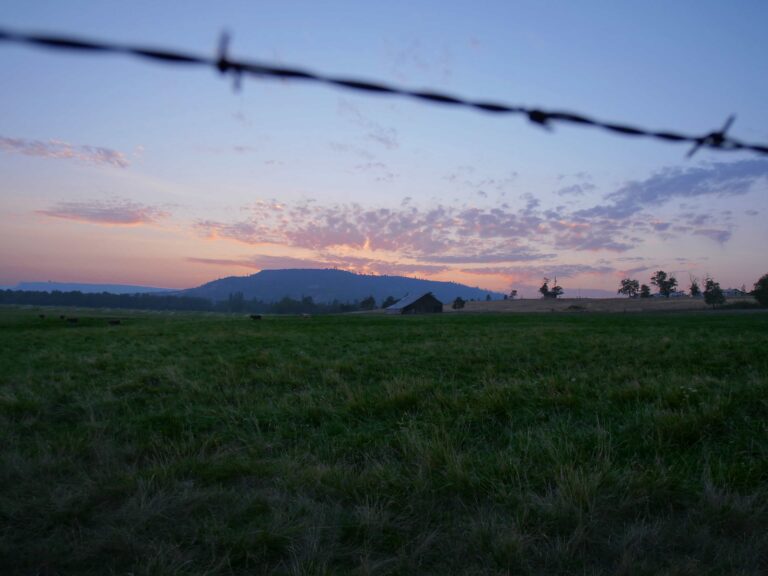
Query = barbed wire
x=717 y=139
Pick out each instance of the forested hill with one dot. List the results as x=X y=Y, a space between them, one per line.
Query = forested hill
x=330 y=285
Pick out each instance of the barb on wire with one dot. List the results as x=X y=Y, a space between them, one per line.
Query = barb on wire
x=713 y=139
x=717 y=140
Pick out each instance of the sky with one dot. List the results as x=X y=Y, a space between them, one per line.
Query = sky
x=123 y=171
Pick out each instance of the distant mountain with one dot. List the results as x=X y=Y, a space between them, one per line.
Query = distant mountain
x=86 y=288
x=329 y=285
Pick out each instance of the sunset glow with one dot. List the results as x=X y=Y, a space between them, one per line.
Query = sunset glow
x=125 y=172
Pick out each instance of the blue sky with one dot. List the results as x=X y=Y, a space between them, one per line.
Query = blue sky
x=125 y=171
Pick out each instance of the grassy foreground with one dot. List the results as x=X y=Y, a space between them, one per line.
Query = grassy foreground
x=458 y=444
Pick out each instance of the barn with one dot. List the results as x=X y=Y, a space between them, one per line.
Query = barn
x=416 y=304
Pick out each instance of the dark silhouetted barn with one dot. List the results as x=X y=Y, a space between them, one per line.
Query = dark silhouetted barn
x=416 y=304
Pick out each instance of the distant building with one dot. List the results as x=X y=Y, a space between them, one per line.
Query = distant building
x=674 y=294
x=416 y=304
x=734 y=293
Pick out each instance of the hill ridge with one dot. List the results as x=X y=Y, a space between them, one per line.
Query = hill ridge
x=329 y=284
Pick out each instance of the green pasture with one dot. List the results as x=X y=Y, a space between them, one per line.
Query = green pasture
x=563 y=443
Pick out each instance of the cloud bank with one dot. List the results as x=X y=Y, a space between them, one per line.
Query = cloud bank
x=713 y=179
x=439 y=234
x=64 y=150
x=107 y=213
x=518 y=238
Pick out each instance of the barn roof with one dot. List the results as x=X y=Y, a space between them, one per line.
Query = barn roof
x=407 y=300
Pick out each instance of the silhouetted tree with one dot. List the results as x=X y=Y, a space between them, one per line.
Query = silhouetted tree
x=286 y=305
x=645 y=291
x=760 y=291
x=665 y=284
x=713 y=294
x=629 y=288
x=368 y=303
x=388 y=301
x=236 y=302
x=458 y=304
x=554 y=292
x=694 y=288
x=487 y=297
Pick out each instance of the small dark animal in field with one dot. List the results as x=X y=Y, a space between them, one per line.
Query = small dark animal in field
x=72 y=320
x=255 y=316
x=62 y=317
x=41 y=316
x=114 y=322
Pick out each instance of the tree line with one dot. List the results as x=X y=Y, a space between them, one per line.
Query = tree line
x=712 y=292
x=235 y=303
x=105 y=300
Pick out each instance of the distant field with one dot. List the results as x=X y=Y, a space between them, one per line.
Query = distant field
x=595 y=305
x=372 y=444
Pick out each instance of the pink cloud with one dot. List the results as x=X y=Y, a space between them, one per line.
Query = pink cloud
x=64 y=150
x=111 y=213
x=440 y=234
x=511 y=232
x=537 y=272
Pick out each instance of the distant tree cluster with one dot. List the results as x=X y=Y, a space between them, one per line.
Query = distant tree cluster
x=548 y=292
x=629 y=288
x=665 y=284
x=694 y=289
x=713 y=293
x=632 y=288
x=105 y=300
x=235 y=303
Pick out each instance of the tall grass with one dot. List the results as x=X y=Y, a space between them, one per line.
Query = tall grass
x=552 y=444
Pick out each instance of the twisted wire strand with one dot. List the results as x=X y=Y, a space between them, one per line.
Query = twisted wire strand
x=717 y=139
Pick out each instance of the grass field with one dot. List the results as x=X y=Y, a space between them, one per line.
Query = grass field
x=452 y=444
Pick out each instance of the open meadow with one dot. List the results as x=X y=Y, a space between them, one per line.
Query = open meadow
x=558 y=443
